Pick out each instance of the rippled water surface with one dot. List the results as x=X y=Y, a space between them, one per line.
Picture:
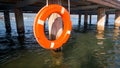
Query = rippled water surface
x=83 y=50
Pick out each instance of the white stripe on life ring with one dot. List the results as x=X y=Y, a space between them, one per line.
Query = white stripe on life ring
x=68 y=32
x=41 y=22
x=52 y=44
x=62 y=10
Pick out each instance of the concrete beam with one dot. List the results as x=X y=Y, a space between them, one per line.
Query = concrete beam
x=117 y=20
x=6 y=6
x=101 y=19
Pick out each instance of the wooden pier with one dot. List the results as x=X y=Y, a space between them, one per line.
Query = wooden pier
x=102 y=8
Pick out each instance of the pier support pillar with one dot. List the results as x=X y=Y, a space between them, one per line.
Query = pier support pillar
x=107 y=18
x=79 y=22
x=85 y=21
x=101 y=20
x=19 y=21
x=7 y=21
x=54 y=20
x=90 y=19
x=117 y=20
x=90 y=16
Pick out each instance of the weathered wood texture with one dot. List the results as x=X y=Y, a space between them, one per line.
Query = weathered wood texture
x=85 y=21
x=19 y=21
x=7 y=21
x=109 y=3
x=107 y=19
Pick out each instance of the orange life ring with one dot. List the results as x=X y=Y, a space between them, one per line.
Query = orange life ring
x=38 y=26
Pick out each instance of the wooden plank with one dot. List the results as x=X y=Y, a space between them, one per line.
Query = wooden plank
x=28 y=2
x=113 y=2
x=103 y=2
x=86 y=7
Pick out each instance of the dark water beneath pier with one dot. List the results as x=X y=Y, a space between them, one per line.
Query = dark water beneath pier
x=83 y=49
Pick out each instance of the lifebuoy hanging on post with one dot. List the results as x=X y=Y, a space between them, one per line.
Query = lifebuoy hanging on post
x=39 y=21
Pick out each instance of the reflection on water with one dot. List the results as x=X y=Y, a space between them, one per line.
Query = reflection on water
x=116 y=49
x=57 y=59
x=100 y=37
x=100 y=53
x=83 y=50
x=21 y=39
x=116 y=34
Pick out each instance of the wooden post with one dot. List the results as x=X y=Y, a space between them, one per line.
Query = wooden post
x=90 y=19
x=79 y=22
x=55 y=24
x=7 y=21
x=19 y=21
x=52 y=35
x=117 y=20
x=90 y=16
x=85 y=21
x=55 y=29
x=107 y=18
x=101 y=20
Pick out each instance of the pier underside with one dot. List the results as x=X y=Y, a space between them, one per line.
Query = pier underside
x=76 y=6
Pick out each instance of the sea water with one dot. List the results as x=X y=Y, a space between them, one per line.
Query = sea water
x=82 y=50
